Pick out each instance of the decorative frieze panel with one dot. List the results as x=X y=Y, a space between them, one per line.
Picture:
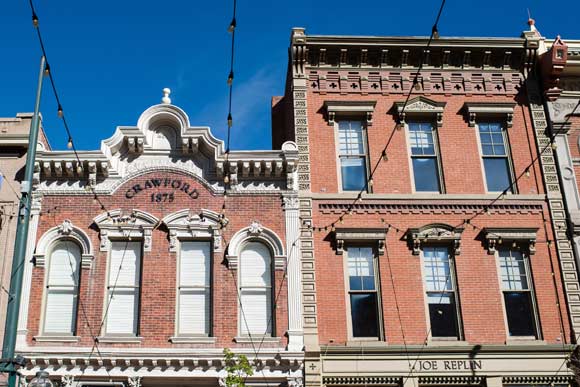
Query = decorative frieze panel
x=361 y=381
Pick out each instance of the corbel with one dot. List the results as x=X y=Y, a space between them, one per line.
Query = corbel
x=92 y=167
x=46 y=167
x=245 y=168
x=278 y=167
x=105 y=168
x=58 y=168
x=233 y=173
x=68 y=167
x=257 y=168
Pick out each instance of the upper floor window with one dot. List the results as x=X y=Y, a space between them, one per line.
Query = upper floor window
x=517 y=291
x=496 y=161
x=123 y=288
x=194 y=296
x=352 y=155
x=362 y=292
x=424 y=157
x=439 y=274
x=62 y=287
x=255 y=282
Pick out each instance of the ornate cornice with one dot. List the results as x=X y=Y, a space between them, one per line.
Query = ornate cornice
x=361 y=381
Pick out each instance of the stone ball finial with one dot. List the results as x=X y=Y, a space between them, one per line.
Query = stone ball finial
x=166 y=92
x=531 y=22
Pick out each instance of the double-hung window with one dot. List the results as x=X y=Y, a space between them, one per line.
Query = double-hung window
x=424 y=157
x=362 y=292
x=439 y=273
x=123 y=288
x=194 y=297
x=517 y=291
x=62 y=289
x=496 y=161
x=352 y=155
x=255 y=281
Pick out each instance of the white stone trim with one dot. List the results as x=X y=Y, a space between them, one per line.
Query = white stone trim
x=435 y=233
x=420 y=106
x=503 y=109
x=65 y=231
x=496 y=236
x=256 y=232
x=186 y=224
x=376 y=236
x=365 y=108
x=118 y=225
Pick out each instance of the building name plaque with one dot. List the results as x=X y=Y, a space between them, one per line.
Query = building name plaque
x=166 y=189
x=449 y=365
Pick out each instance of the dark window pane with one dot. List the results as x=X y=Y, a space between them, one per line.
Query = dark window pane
x=519 y=313
x=443 y=315
x=426 y=174
x=364 y=315
x=497 y=174
x=355 y=283
x=353 y=173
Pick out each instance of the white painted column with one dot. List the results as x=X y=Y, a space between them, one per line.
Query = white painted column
x=293 y=274
x=27 y=280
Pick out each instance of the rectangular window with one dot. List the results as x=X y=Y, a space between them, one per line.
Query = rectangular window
x=441 y=295
x=424 y=157
x=517 y=292
x=122 y=308
x=362 y=290
x=194 y=289
x=496 y=161
x=352 y=155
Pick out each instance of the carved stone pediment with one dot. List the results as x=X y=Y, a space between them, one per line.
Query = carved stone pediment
x=373 y=236
x=185 y=224
x=434 y=233
x=495 y=237
x=117 y=224
x=420 y=106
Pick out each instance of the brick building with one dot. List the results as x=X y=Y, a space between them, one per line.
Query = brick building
x=424 y=275
x=184 y=251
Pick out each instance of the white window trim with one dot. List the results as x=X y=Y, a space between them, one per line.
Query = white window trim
x=350 y=336
x=527 y=238
x=58 y=337
x=508 y=156
x=205 y=226
x=437 y=156
x=256 y=232
x=452 y=267
x=132 y=225
x=365 y=142
x=362 y=109
x=66 y=230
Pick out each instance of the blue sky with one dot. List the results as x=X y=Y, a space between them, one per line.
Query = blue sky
x=111 y=58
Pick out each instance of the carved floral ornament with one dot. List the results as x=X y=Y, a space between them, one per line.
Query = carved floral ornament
x=496 y=237
x=117 y=224
x=374 y=236
x=476 y=110
x=66 y=231
x=256 y=232
x=432 y=234
x=187 y=225
x=349 y=108
x=420 y=106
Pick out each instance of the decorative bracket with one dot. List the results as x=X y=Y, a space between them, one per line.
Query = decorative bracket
x=497 y=236
x=374 y=236
x=434 y=233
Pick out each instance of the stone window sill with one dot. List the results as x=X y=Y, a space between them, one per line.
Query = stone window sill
x=366 y=342
x=120 y=339
x=446 y=342
x=61 y=339
x=257 y=340
x=524 y=340
x=192 y=340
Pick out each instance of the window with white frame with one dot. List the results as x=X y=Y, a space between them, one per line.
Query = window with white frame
x=495 y=155
x=194 y=291
x=362 y=292
x=62 y=286
x=123 y=288
x=352 y=155
x=439 y=275
x=518 y=292
x=255 y=282
x=424 y=156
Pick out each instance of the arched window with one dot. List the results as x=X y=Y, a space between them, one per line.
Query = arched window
x=255 y=282
x=62 y=286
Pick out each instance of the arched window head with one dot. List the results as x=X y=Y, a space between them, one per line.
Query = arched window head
x=255 y=282
x=62 y=284
x=256 y=232
x=65 y=231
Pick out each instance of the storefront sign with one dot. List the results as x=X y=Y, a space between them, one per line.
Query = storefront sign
x=449 y=365
x=165 y=189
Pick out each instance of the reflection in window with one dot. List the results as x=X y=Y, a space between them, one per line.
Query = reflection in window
x=495 y=157
x=441 y=294
x=352 y=155
x=517 y=292
x=424 y=157
x=363 y=292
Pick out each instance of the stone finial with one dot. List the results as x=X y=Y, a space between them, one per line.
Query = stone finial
x=166 y=99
